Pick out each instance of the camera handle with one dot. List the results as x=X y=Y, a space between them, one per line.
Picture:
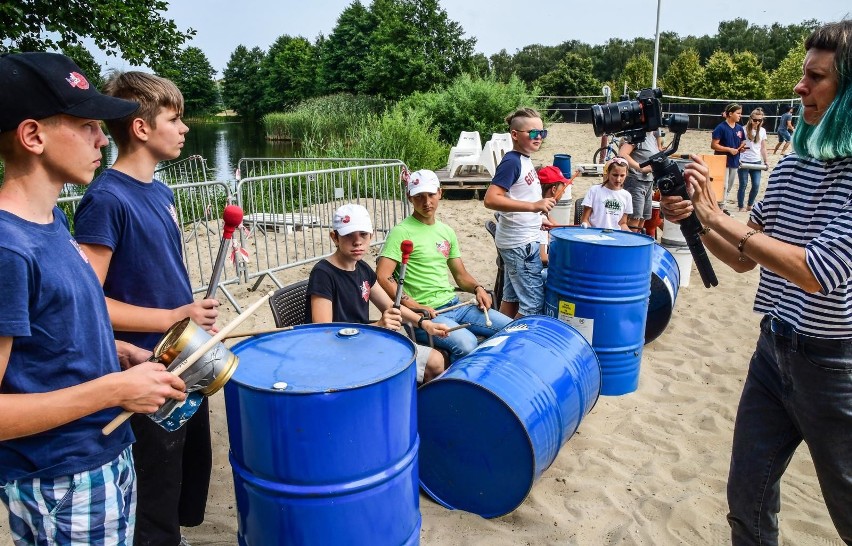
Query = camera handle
x=669 y=180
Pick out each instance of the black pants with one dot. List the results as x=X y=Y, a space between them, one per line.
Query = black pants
x=173 y=476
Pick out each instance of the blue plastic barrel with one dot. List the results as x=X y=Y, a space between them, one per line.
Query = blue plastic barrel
x=599 y=282
x=665 y=281
x=563 y=163
x=491 y=424
x=322 y=422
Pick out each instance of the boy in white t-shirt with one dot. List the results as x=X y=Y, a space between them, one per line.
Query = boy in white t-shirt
x=515 y=192
x=608 y=205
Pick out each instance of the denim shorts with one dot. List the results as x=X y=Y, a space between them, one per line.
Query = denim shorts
x=522 y=282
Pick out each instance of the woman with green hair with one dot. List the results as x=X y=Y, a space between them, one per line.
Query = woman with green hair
x=799 y=383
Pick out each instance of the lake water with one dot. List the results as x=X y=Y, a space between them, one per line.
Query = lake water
x=224 y=144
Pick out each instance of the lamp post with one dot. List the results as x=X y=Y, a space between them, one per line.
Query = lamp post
x=656 y=47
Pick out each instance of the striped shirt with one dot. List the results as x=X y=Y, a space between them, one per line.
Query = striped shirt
x=808 y=203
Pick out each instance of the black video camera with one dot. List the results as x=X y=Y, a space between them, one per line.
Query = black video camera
x=633 y=119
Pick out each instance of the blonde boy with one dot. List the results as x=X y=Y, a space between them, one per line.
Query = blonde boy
x=127 y=219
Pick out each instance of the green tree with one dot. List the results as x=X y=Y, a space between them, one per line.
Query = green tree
x=345 y=52
x=479 y=65
x=415 y=46
x=501 y=65
x=289 y=73
x=717 y=82
x=136 y=29
x=534 y=61
x=194 y=76
x=572 y=77
x=748 y=80
x=684 y=76
x=242 y=85
x=84 y=60
x=787 y=75
x=637 y=72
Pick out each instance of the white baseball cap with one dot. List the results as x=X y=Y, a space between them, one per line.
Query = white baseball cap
x=423 y=181
x=351 y=218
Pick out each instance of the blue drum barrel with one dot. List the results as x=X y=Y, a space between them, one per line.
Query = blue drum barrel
x=322 y=423
x=665 y=281
x=491 y=424
x=563 y=163
x=599 y=282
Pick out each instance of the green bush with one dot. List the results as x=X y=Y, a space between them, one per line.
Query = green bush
x=321 y=119
x=472 y=104
x=408 y=136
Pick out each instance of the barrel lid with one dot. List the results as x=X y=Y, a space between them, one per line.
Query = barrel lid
x=601 y=237
x=321 y=358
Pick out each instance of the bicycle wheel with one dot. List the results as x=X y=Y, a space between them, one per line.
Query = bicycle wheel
x=601 y=155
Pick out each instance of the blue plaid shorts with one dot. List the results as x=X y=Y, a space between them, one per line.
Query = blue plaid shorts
x=96 y=507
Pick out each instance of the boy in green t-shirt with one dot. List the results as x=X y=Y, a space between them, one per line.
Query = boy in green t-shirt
x=436 y=251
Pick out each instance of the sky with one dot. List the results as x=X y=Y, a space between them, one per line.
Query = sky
x=222 y=25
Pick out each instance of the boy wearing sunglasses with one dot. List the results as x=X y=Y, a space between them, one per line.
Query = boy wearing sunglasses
x=515 y=192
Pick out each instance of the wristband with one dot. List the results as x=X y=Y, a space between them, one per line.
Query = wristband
x=420 y=322
x=477 y=287
x=742 y=243
x=704 y=231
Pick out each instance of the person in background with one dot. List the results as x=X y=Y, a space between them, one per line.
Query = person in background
x=640 y=180
x=126 y=218
x=62 y=480
x=552 y=180
x=799 y=382
x=785 y=129
x=728 y=139
x=515 y=192
x=609 y=205
x=341 y=287
x=436 y=255
x=753 y=154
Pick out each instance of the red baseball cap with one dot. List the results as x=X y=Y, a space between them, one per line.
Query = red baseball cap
x=552 y=175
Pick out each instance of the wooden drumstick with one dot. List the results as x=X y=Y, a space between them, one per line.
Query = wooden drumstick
x=257 y=332
x=459 y=327
x=191 y=359
x=456 y=306
x=565 y=185
x=487 y=319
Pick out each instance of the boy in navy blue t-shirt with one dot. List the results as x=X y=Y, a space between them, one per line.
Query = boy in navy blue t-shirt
x=127 y=217
x=62 y=480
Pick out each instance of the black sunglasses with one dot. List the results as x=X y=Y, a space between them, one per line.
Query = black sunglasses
x=535 y=133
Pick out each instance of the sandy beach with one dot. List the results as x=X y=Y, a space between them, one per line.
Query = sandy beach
x=645 y=468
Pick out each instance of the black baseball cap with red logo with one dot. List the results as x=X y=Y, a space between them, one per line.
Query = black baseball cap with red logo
x=40 y=85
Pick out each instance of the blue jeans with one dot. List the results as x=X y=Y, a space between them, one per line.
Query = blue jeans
x=522 y=282
x=463 y=340
x=744 y=175
x=796 y=389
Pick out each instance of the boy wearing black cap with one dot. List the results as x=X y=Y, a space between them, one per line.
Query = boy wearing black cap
x=60 y=380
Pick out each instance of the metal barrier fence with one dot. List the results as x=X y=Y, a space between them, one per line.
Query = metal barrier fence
x=288 y=205
x=199 y=203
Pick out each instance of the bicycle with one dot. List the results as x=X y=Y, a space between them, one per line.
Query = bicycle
x=606 y=153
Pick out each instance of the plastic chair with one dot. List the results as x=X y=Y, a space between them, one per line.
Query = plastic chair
x=502 y=143
x=469 y=144
x=484 y=159
x=290 y=304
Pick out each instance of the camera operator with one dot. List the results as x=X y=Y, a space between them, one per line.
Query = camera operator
x=640 y=180
x=799 y=383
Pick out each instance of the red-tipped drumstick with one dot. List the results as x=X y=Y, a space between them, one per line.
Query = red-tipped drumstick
x=407 y=247
x=232 y=216
x=558 y=194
